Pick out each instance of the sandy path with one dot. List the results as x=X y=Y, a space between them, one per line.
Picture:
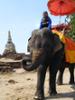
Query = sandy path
x=22 y=86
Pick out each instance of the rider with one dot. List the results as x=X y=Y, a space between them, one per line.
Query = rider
x=46 y=21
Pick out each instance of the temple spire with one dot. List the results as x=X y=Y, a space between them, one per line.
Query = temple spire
x=9 y=36
x=9 y=47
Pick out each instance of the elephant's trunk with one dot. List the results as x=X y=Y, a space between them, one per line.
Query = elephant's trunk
x=30 y=67
x=37 y=59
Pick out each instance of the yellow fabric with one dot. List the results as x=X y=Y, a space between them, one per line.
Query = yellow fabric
x=69 y=46
x=61 y=36
x=70 y=56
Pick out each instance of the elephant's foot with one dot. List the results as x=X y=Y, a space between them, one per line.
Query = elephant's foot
x=39 y=96
x=52 y=93
x=59 y=82
x=71 y=82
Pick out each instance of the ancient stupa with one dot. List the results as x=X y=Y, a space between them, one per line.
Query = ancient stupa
x=9 y=47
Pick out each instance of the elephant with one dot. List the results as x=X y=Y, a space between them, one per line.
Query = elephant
x=62 y=67
x=46 y=52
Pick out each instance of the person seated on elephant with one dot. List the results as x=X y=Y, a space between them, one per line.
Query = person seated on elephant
x=46 y=21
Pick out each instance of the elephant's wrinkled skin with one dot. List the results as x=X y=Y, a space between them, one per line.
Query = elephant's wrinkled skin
x=49 y=54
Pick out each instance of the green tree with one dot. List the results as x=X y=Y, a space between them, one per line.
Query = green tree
x=71 y=33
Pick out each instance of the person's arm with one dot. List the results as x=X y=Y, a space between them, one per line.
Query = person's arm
x=41 y=25
x=49 y=24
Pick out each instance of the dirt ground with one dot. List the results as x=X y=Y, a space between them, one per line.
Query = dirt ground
x=21 y=85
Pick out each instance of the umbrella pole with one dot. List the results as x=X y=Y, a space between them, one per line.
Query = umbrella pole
x=59 y=20
x=66 y=22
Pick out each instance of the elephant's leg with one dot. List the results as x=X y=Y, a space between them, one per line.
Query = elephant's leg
x=71 y=69
x=60 y=75
x=39 y=95
x=52 y=80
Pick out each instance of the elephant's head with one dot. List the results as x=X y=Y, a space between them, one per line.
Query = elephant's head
x=41 y=45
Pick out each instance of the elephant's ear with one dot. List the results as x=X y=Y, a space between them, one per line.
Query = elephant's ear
x=57 y=43
x=31 y=40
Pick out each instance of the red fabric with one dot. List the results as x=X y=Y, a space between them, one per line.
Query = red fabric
x=62 y=26
x=61 y=7
x=70 y=44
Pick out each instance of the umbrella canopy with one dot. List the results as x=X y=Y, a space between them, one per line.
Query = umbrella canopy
x=61 y=7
